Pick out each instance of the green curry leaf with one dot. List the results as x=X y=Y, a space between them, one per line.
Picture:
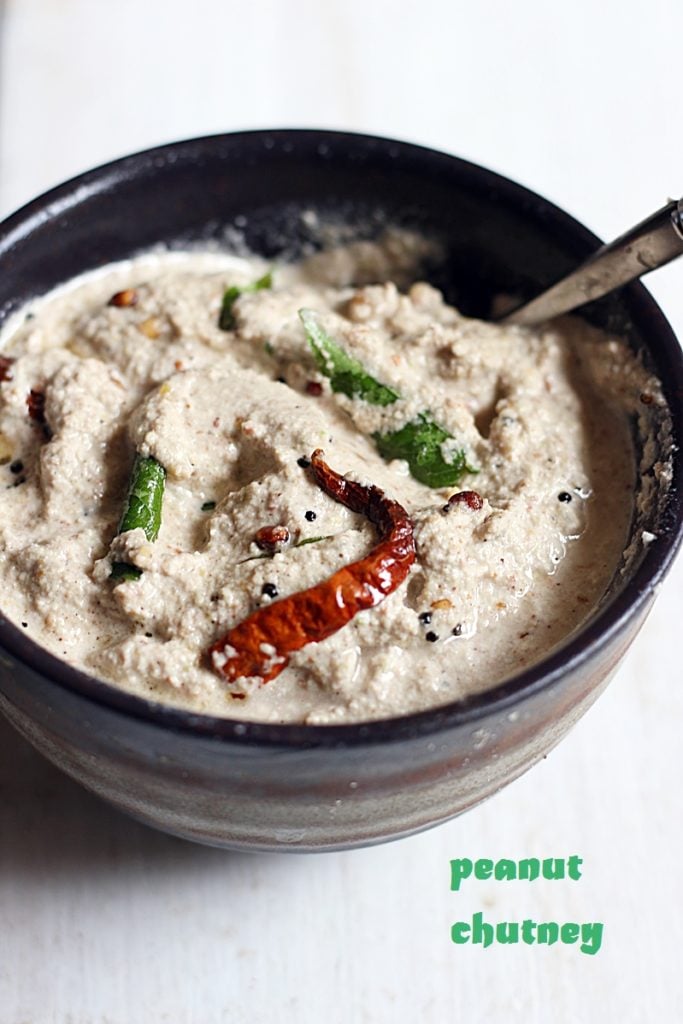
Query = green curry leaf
x=346 y=374
x=421 y=443
x=226 y=320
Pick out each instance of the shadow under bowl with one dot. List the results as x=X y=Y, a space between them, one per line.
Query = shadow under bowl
x=290 y=787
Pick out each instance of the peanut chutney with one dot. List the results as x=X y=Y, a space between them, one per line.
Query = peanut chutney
x=158 y=420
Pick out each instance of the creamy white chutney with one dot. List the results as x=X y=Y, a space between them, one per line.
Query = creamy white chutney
x=543 y=415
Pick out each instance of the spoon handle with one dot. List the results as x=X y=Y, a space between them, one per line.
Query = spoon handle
x=650 y=244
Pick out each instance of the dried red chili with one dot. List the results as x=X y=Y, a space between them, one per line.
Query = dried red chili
x=5 y=372
x=261 y=644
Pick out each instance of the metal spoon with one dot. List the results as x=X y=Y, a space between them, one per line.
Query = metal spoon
x=650 y=244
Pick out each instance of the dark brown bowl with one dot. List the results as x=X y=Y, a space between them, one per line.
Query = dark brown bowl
x=290 y=787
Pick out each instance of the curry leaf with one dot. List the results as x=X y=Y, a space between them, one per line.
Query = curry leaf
x=345 y=373
x=226 y=321
x=421 y=443
x=299 y=544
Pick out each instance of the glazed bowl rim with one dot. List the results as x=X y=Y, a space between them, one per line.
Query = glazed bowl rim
x=579 y=649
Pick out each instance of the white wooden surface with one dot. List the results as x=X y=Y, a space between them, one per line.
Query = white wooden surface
x=105 y=922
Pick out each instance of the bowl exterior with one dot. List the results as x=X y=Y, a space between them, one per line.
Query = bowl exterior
x=231 y=793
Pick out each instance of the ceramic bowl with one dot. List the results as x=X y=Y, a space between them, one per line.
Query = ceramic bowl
x=291 y=787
